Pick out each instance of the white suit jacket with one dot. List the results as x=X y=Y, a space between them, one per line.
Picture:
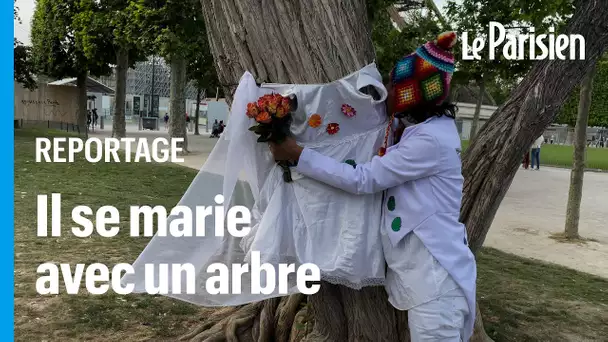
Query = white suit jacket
x=423 y=178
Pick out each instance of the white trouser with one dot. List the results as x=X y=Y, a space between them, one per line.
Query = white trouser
x=441 y=319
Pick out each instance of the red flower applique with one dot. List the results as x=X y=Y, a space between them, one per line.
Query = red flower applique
x=333 y=128
x=348 y=110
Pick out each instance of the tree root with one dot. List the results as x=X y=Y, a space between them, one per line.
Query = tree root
x=334 y=314
x=270 y=320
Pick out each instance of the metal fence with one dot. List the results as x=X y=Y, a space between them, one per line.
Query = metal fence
x=563 y=135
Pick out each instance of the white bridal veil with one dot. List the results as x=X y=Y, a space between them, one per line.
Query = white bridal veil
x=299 y=222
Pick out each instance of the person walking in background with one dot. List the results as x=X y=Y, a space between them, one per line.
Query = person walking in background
x=536 y=152
x=95 y=117
x=89 y=119
x=526 y=162
x=166 y=119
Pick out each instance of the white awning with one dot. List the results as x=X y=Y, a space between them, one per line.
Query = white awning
x=93 y=86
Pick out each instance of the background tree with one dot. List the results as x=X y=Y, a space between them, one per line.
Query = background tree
x=201 y=70
x=474 y=17
x=317 y=52
x=598 y=112
x=575 y=194
x=124 y=22
x=177 y=27
x=23 y=65
x=65 y=45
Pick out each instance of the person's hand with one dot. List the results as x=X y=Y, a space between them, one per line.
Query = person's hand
x=287 y=150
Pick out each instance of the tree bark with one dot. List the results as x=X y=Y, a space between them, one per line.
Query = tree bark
x=119 y=129
x=198 y=109
x=297 y=41
x=320 y=41
x=81 y=83
x=177 y=123
x=397 y=18
x=575 y=194
x=475 y=124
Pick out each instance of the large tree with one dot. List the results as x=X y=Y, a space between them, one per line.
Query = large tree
x=64 y=44
x=323 y=41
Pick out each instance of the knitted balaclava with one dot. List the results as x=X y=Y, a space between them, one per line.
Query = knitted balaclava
x=422 y=79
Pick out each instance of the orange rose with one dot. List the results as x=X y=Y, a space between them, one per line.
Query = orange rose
x=271 y=107
x=315 y=121
x=281 y=112
x=263 y=117
x=252 y=110
x=262 y=102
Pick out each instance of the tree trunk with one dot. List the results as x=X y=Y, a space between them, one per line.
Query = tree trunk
x=475 y=124
x=297 y=41
x=81 y=83
x=322 y=41
x=397 y=18
x=198 y=109
x=177 y=124
x=122 y=66
x=578 y=166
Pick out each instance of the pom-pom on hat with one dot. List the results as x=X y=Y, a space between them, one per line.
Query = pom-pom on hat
x=423 y=78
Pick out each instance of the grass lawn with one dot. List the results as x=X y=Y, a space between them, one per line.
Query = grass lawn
x=522 y=300
x=561 y=156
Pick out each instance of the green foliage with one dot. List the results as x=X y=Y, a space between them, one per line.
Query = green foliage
x=124 y=22
x=23 y=66
x=598 y=113
x=178 y=27
x=201 y=67
x=68 y=40
x=474 y=17
x=391 y=44
x=173 y=26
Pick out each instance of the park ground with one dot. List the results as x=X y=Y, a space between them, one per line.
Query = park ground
x=522 y=299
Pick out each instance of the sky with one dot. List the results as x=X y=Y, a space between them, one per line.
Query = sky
x=26 y=10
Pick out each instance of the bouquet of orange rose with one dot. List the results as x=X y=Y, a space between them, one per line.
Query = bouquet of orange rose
x=272 y=114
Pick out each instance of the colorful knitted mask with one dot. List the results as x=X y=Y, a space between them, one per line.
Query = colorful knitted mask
x=422 y=79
